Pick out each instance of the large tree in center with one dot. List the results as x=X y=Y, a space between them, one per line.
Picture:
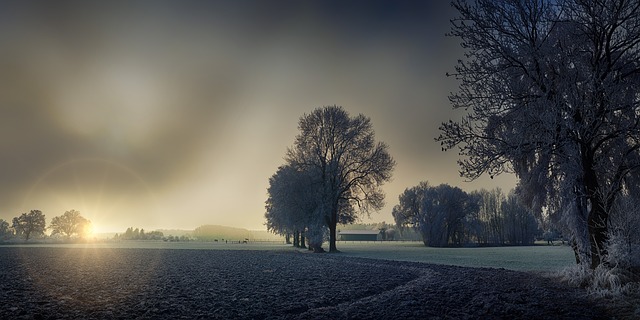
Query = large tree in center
x=551 y=94
x=69 y=224
x=351 y=166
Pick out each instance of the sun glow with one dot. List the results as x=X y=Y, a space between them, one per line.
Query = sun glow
x=89 y=231
x=104 y=191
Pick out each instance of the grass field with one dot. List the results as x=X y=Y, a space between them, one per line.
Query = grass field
x=530 y=258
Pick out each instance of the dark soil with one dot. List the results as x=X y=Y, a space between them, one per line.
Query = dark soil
x=71 y=283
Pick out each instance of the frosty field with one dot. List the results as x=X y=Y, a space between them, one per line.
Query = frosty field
x=99 y=281
x=530 y=258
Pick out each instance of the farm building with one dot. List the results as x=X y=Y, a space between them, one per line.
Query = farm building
x=358 y=235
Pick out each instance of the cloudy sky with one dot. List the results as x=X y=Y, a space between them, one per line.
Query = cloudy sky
x=174 y=114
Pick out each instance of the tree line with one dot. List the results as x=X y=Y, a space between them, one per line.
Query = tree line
x=447 y=216
x=70 y=224
x=139 y=234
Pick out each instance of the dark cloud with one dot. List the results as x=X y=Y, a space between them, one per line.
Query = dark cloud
x=177 y=113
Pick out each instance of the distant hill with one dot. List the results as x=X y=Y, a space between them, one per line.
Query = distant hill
x=211 y=232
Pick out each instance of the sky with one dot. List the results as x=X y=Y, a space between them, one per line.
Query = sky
x=174 y=114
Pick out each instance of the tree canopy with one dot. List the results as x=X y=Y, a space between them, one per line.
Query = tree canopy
x=337 y=160
x=5 y=232
x=70 y=224
x=293 y=206
x=436 y=212
x=550 y=89
x=28 y=224
x=447 y=216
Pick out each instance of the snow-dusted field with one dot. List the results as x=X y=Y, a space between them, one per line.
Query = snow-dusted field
x=106 y=282
x=529 y=258
x=521 y=258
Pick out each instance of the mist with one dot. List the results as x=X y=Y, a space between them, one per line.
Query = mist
x=174 y=115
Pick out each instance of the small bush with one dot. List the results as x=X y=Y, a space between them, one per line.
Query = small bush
x=619 y=253
x=603 y=281
x=578 y=275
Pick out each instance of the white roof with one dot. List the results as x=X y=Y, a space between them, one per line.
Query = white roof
x=359 y=232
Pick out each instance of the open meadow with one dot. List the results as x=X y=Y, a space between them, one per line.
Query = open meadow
x=520 y=258
x=152 y=280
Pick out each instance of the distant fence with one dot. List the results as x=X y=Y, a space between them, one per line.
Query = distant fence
x=267 y=241
x=245 y=241
x=271 y=241
x=376 y=241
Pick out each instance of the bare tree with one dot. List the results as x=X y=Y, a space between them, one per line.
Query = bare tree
x=551 y=93
x=351 y=165
x=69 y=224
x=438 y=213
x=30 y=223
x=5 y=231
x=490 y=217
x=520 y=226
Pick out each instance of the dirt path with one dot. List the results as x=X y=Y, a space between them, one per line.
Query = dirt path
x=61 y=283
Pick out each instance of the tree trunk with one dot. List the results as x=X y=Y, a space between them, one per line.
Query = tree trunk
x=333 y=224
x=287 y=238
x=302 y=244
x=574 y=246
x=296 y=239
x=598 y=216
x=597 y=223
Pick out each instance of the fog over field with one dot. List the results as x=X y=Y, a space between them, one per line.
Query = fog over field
x=175 y=114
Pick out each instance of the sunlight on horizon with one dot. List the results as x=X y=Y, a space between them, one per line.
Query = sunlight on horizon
x=176 y=117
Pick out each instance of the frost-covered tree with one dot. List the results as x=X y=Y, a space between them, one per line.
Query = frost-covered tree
x=550 y=90
x=437 y=213
x=409 y=206
x=69 y=224
x=28 y=224
x=352 y=166
x=5 y=230
x=501 y=219
x=490 y=217
x=520 y=225
x=624 y=238
x=293 y=206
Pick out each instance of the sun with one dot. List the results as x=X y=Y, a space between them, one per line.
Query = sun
x=88 y=231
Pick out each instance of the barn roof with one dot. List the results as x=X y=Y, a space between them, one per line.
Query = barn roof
x=359 y=232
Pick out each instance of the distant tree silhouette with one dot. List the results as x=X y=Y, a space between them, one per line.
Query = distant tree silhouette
x=446 y=215
x=350 y=164
x=69 y=224
x=438 y=213
x=154 y=235
x=139 y=234
x=521 y=225
x=5 y=231
x=28 y=224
